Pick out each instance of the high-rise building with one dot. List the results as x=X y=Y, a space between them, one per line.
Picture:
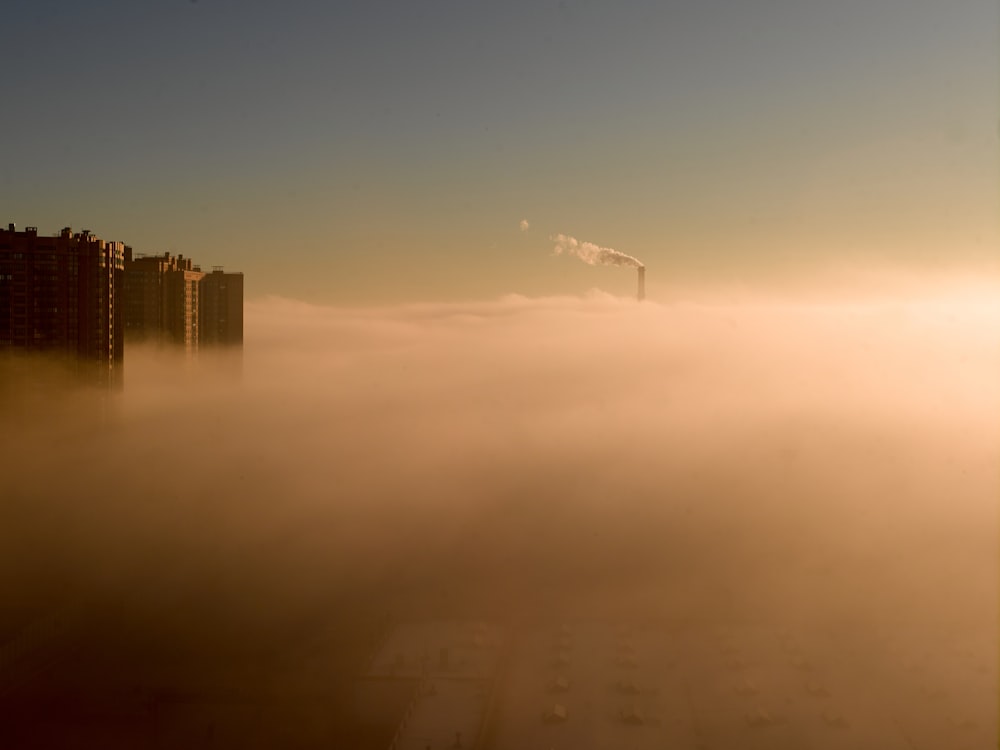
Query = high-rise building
x=162 y=299
x=62 y=296
x=171 y=301
x=222 y=308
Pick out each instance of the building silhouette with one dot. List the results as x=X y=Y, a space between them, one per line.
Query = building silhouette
x=221 y=308
x=74 y=297
x=162 y=294
x=169 y=300
x=62 y=296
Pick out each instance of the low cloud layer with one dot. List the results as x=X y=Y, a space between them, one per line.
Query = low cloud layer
x=530 y=457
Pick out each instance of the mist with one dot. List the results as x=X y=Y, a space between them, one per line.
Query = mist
x=800 y=464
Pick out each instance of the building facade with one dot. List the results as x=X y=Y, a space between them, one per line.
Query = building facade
x=62 y=296
x=169 y=300
x=222 y=308
x=162 y=294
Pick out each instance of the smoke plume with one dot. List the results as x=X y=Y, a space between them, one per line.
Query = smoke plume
x=592 y=254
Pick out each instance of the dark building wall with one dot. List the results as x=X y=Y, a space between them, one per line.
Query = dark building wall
x=143 y=298
x=162 y=300
x=222 y=309
x=75 y=297
x=38 y=292
x=61 y=296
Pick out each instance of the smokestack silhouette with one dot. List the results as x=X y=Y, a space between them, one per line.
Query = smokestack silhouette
x=595 y=255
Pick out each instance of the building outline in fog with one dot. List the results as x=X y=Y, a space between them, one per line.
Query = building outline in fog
x=61 y=296
x=77 y=299
x=161 y=299
x=221 y=311
x=171 y=301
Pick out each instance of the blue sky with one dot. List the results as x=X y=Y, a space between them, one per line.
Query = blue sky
x=387 y=150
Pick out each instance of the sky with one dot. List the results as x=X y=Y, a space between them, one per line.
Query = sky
x=377 y=152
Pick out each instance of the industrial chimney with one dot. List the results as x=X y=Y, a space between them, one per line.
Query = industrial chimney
x=641 y=295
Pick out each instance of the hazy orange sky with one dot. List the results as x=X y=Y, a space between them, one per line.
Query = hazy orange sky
x=370 y=152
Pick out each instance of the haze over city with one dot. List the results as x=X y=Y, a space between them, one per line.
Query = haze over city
x=450 y=413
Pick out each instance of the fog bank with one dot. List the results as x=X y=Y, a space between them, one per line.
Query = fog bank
x=592 y=456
